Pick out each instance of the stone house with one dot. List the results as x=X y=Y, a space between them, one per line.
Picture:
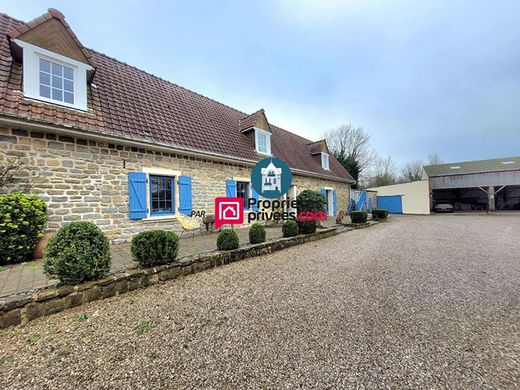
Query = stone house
x=127 y=150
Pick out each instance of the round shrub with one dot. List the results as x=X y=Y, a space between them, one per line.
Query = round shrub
x=309 y=200
x=156 y=247
x=379 y=214
x=257 y=233
x=227 y=239
x=78 y=252
x=359 y=216
x=22 y=221
x=290 y=229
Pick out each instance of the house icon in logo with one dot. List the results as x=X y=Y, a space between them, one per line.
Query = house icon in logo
x=271 y=178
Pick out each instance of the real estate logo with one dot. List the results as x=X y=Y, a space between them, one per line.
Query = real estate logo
x=229 y=211
x=271 y=178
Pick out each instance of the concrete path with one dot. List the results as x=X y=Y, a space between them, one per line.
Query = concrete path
x=420 y=302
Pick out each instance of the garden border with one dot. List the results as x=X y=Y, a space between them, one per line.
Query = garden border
x=23 y=308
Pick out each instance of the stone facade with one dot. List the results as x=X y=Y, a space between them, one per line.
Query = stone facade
x=82 y=179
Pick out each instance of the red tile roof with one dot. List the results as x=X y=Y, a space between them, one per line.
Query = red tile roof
x=129 y=103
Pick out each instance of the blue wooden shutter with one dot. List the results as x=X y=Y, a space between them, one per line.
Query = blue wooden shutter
x=185 y=205
x=334 y=202
x=137 y=195
x=231 y=188
x=255 y=196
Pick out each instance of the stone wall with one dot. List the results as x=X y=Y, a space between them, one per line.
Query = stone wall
x=82 y=179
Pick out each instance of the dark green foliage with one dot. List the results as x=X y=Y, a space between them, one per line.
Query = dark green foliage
x=290 y=229
x=227 y=240
x=257 y=233
x=307 y=227
x=156 y=247
x=350 y=164
x=78 y=252
x=359 y=216
x=380 y=214
x=309 y=200
x=22 y=221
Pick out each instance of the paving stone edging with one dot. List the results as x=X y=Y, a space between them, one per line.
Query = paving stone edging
x=21 y=309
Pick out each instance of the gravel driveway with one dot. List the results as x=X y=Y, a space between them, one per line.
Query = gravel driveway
x=420 y=302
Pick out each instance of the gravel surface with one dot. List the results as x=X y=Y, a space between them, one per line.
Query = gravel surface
x=420 y=302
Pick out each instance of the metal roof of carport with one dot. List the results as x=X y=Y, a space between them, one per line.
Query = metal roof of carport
x=478 y=166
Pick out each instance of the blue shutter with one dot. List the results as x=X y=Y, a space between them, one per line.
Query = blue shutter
x=255 y=196
x=334 y=202
x=185 y=205
x=137 y=195
x=231 y=188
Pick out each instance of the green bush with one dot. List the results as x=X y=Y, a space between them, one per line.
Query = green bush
x=22 y=221
x=257 y=233
x=78 y=252
x=156 y=247
x=290 y=229
x=227 y=239
x=379 y=214
x=309 y=200
x=359 y=216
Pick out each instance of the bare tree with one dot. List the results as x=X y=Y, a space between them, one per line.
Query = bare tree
x=384 y=172
x=12 y=170
x=412 y=171
x=350 y=141
x=434 y=159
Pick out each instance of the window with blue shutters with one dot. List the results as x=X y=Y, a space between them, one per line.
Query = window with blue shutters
x=162 y=195
x=137 y=195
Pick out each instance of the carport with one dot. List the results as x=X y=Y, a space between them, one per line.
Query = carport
x=485 y=185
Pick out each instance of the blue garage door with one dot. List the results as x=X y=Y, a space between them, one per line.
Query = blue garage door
x=393 y=203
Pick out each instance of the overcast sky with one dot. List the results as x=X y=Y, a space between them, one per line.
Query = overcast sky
x=421 y=77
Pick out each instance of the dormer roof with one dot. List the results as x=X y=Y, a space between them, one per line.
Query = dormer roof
x=257 y=119
x=318 y=147
x=50 y=31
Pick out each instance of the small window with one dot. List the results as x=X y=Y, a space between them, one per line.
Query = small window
x=56 y=81
x=325 y=161
x=263 y=141
x=243 y=192
x=162 y=195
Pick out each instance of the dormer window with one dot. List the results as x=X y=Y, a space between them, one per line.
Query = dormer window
x=262 y=141
x=53 y=78
x=325 y=161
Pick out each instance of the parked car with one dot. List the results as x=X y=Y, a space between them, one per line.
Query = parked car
x=443 y=208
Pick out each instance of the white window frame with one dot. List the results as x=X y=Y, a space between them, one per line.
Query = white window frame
x=31 y=75
x=267 y=135
x=325 y=158
x=161 y=172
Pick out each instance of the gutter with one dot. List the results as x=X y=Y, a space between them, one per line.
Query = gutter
x=63 y=130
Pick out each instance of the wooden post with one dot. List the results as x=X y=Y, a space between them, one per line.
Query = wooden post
x=491 y=199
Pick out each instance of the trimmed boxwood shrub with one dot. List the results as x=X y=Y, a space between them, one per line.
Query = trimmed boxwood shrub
x=257 y=233
x=290 y=229
x=22 y=221
x=227 y=239
x=78 y=252
x=309 y=200
x=380 y=214
x=359 y=216
x=156 y=247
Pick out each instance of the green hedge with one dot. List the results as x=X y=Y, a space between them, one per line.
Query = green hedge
x=227 y=239
x=380 y=214
x=257 y=233
x=290 y=229
x=22 y=221
x=359 y=216
x=156 y=247
x=78 y=252
x=309 y=200
x=307 y=227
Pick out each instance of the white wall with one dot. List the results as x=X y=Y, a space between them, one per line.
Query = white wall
x=416 y=196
